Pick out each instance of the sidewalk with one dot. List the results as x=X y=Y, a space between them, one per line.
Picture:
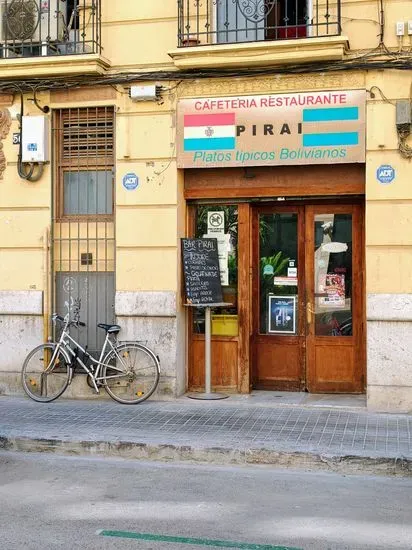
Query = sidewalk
x=347 y=440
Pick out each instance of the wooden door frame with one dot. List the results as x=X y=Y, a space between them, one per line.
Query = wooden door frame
x=243 y=339
x=257 y=338
x=247 y=285
x=357 y=340
x=355 y=205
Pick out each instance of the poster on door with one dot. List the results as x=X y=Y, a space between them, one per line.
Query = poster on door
x=282 y=314
x=223 y=245
x=333 y=288
x=216 y=229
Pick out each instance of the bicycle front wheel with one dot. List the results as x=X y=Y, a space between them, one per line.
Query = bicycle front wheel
x=131 y=373
x=45 y=376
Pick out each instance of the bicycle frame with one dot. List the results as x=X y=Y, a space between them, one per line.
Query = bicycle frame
x=64 y=342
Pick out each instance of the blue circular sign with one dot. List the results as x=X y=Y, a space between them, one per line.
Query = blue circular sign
x=130 y=181
x=385 y=174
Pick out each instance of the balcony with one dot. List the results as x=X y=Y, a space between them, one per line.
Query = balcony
x=45 y=33
x=219 y=33
x=235 y=21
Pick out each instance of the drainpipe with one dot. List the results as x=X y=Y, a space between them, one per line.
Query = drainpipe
x=46 y=285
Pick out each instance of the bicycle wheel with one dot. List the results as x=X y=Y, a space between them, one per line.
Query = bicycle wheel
x=131 y=373
x=43 y=381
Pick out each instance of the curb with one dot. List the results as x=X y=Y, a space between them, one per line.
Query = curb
x=342 y=464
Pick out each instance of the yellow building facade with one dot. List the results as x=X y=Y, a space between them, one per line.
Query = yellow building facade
x=318 y=253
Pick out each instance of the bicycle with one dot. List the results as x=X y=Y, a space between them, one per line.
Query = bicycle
x=129 y=371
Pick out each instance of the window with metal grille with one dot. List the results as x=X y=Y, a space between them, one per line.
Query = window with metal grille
x=84 y=140
x=83 y=250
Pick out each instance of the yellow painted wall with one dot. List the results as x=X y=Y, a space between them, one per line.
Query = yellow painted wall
x=146 y=218
x=388 y=207
x=24 y=218
x=145 y=146
x=141 y=33
x=150 y=219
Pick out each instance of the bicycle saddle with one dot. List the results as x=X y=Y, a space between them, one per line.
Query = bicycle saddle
x=111 y=329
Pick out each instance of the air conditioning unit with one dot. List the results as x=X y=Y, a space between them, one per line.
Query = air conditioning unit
x=33 y=21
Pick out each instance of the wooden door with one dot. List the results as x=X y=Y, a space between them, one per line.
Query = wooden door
x=278 y=344
x=335 y=345
x=308 y=298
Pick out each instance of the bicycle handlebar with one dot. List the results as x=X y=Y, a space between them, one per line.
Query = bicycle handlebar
x=56 y=317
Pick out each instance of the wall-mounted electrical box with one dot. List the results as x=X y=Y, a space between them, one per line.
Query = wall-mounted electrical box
x=35 y=139
x=403 y=112
x=400 y=28
x=144 y=93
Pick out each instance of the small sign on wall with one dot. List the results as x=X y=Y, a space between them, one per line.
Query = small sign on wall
x=130 y=181
x=385 y=174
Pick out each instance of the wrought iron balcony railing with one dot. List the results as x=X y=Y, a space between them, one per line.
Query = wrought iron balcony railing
x=233 y=21
x=31 y=28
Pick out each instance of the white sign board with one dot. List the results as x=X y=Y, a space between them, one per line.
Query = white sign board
x=223 y=253
x=215 y=222
x=216 y=229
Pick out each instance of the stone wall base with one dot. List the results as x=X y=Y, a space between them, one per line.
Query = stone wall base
x=21 y=329
x=10 y=384
x=152 y=318
x=149 y=317
x=389 y=373
x=390 y=399
x=19 y=334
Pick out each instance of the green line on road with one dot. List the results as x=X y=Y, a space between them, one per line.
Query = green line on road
x=189 y=540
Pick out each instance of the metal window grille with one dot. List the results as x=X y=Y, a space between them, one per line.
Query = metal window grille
x=49 y=27
x=232 y=21
x=83 y=217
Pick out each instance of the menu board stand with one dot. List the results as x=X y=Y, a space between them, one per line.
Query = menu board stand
x=203 y=288
x=208 y=394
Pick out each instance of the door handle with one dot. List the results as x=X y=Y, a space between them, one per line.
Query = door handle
x=309 y=312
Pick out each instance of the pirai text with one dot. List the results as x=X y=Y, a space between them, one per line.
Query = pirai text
x=269 y=129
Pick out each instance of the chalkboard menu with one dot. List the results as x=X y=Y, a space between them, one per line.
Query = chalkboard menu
x=201 y=271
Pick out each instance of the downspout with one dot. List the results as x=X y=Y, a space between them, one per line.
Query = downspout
x=46 y=285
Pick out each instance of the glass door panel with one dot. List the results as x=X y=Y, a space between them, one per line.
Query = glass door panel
x=221 y=222
x=333 y=274
x=308 y=296
x=335 y=299
x=278 y=273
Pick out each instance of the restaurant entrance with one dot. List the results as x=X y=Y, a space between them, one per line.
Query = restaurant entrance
x=293 y=277
x=307 y=298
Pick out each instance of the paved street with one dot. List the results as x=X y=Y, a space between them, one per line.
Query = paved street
x=208 y=431
x=49 y=502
